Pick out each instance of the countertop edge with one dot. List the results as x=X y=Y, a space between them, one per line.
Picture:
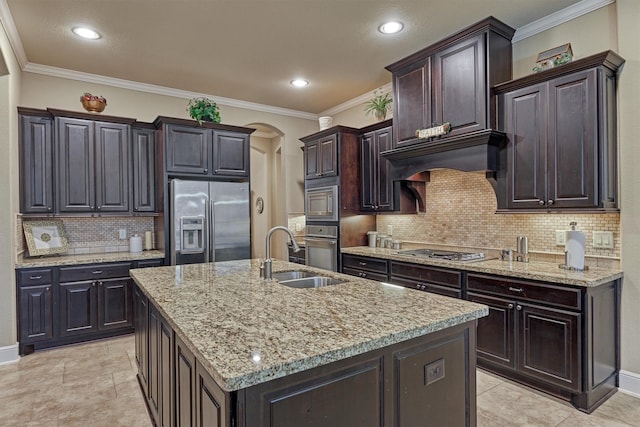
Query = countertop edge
x=62 y=260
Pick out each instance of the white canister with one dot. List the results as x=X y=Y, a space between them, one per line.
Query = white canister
x=135 y=244
x=373 y=238
x=148 y=240
x=325 y=122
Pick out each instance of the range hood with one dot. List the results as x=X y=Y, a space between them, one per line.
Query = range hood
x=470 y=152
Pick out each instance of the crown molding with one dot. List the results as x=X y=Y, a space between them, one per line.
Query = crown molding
x=6 y=20
x=558 y=18
x=161 y=90
x=354 y=101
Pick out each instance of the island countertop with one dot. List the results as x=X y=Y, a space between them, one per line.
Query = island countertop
x=534 y=270
x=247 y=331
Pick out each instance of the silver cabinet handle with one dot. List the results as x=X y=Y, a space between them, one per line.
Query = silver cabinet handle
x=35 y=277
x=362 y=263
x=518 y=290
x=96 y=272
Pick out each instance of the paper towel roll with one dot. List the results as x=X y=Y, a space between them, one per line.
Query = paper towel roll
x=574 y=245
x=135 y=244
x=148 y=241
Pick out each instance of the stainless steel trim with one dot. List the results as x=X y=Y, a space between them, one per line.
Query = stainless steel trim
x=212 y=237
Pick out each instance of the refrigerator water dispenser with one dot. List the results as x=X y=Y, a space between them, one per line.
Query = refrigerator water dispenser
x=192 y=234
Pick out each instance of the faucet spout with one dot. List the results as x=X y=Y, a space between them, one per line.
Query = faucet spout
x=267 y=262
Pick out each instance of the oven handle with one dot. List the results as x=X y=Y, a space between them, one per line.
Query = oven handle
x=327 y=242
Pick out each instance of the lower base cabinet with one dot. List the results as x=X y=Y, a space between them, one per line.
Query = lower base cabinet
x=426 y=378
x=559 y=339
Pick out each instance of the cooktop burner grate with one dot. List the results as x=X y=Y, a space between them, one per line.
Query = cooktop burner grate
x=443 y=254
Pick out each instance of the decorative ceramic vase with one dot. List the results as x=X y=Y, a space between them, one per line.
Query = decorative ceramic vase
x=325 y=122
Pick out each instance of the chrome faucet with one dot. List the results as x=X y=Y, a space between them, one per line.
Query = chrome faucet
x=265 y=268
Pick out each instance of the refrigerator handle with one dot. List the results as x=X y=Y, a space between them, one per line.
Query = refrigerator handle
x=205 y=235
x=172 y=221
x=212 y=222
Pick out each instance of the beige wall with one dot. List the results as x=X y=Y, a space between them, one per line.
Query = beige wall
x=9 y=90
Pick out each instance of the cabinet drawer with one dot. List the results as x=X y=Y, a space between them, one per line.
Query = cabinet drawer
x=150 y=263
x=526 y=291
x=427 y=287
x=364 y=263
x=423 y=274
x=365 y=274
x=35 y=277
x=96 y=271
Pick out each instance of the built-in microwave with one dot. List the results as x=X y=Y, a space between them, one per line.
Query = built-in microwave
x=321 y=204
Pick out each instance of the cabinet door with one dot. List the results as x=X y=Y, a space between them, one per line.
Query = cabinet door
x=411 y=102
x=154 y=360
x=549 y=345
x=76 y=182
x=230 y=153
x=36 y=165
x=572 y=141
x=460 y=87
x=526 y=129
x=35 y=306
x=368 y=183
x=311 y=160
x=328 y=155
x=140 y=320
x=112 y=167
x=144 y=170
x=212 y=406
x=496 y=332
x=185 y=371
x=165 y=343
x=187 y=149
x=383 y=168
x=115 y=305
x=78 y=308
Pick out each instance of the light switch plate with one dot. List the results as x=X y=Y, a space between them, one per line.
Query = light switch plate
x=603 y=239
x=561 y=237
x=390 y=230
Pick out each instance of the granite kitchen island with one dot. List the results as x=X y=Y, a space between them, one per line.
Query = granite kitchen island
x=218 y=345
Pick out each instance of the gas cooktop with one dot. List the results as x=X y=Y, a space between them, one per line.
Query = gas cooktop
x=444 y=254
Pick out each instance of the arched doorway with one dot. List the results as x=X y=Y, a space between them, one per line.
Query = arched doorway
x=267 y=194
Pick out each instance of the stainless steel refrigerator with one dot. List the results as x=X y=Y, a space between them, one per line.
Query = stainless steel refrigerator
x=209 y=221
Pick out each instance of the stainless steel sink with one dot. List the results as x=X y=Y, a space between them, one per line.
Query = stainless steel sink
x=291 y=275
x=310 y=282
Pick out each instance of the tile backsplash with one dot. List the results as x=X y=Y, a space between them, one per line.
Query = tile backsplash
x=460 y=211
x=93 y=235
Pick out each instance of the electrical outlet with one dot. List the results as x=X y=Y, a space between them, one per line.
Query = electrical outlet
x=603 y=239
x=561 y=237
x=122 y=233
x=298 y=226
x=390 y=230
x=434 y=371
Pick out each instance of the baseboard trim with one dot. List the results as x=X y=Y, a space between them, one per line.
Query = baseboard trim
x=9 y=354
x=630 y=383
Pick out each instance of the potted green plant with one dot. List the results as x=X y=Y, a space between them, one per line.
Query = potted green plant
x=379 y=105
x=204 y=110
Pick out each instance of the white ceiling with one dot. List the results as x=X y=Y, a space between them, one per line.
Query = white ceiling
x=250 y=50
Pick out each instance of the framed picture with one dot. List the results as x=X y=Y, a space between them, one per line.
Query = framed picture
x=45 y=237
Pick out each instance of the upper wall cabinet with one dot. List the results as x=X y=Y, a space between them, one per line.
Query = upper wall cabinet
x=207 y=150
x=93 y=165
x=144 y=168
x=36 y=162
x=450 y=82
x=561 y=129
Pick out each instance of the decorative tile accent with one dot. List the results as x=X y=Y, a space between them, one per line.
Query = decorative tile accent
x=460 y=211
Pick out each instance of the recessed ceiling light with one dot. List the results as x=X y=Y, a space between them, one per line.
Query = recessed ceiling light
x=85 y=33
x=299 y=83
x=391 y=27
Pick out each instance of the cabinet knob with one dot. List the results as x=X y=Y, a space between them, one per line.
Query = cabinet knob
x=510 y=306
x=206 y=170
x=93 y=285
x=541 y=202
x=549 y=202
x=518 y=307
x=99 y=207
x=49 y=209
x=47 y=289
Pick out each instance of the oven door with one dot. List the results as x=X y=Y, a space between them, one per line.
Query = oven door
x=321 y=204
x=322 y=253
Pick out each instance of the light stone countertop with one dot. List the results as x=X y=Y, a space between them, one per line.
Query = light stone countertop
x=245 y=330
x=534 y=270
x=60 y=260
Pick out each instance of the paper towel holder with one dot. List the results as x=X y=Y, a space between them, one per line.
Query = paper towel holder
x=565 y=266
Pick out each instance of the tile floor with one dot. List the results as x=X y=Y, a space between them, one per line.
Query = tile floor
x=95 y=385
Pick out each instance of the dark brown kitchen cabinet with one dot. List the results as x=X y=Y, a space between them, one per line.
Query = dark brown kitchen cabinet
x=450 y=81
x=36 y=162
x=141 y=326
x=321 y=157
x=93 y=165
x=365 y=267
x=436 y=280
x=185 y=385
x=78 y=308
x=213 y=405
x=377 y=186
x=560 y=125
x=563 y=340
x=160 y=369
x=144 y=169
x=211 y=150
x=35 y=305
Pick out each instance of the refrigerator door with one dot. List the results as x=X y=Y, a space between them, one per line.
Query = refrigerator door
x=189 y=221
x=230 y=225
